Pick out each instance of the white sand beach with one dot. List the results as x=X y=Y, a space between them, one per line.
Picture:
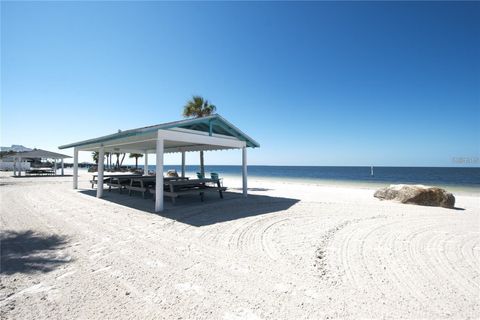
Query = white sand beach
x=289 y=251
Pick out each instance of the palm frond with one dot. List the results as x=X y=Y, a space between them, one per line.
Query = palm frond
x=135 y=155
x=198 y=107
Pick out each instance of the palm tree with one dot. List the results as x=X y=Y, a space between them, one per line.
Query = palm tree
x=198 y=108
x=136 y=156
x=95 y=157
x=108 y=155
x=119 y=162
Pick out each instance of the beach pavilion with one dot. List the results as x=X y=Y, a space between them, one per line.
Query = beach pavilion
x=38 y=154
x=190 y=135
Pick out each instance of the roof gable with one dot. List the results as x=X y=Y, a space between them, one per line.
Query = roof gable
x=214 y=124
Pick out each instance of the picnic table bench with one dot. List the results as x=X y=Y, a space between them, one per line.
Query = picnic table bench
x=120 y=182
x=141 y=184
x=40 y=172
x=176 y=188
x=107 y=178
x=173 y=186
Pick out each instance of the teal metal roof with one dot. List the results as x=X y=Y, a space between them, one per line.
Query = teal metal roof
x=215 y=124
x=39 y=153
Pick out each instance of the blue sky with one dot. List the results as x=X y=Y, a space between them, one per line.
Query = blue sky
x=348 y=83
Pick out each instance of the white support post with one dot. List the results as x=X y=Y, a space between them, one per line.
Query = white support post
x=15 y=166
x=55 y=167
x=183 y=164
x=244 y=171
x=20 y=166
x=75 y=168
x=63 y=167
x=101 y=159
x=145 y=167
x=159 y=176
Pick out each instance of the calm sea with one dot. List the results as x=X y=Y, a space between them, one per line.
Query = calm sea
x=463 y=178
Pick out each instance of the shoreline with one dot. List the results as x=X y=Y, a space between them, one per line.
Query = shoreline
x=370 y=185
x=464 y=190
x=339 y=183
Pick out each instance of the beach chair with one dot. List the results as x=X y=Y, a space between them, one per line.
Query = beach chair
x=200 y=175
x=214 y=176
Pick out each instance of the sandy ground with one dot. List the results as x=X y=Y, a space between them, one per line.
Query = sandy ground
x=289 y=251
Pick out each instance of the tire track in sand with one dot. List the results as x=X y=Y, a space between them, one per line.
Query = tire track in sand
x=424 y=262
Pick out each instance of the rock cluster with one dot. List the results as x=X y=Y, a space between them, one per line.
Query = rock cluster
x=417 y=194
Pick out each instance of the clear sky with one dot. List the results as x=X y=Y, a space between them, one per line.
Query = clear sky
x=349 y=83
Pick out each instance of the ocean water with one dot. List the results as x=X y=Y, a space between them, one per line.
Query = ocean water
x=458 y=178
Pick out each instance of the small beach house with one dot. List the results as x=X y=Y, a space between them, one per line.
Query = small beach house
x=33 y=162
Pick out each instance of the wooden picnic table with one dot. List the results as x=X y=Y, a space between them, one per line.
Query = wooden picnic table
x=40 y=172
x=176 y=188
x=153 y=178
x=119 y=175
x=108 y=177
x=120 y=182
x=141 y=184
x=173 y=186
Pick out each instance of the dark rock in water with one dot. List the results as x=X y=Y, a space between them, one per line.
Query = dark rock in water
x=417 y=194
